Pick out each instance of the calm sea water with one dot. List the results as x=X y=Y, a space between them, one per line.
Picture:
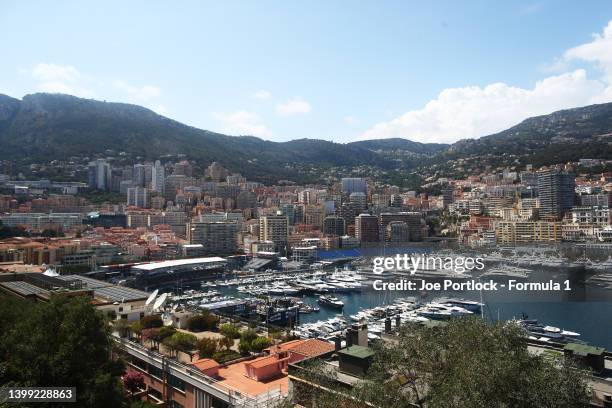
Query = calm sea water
x=585 y=309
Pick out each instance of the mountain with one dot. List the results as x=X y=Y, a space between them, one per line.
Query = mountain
x=43 y=127
x=397 y=145
x=565 y=135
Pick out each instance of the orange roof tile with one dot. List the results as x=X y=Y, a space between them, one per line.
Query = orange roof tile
x=313 y=347
x=284 y=346
x=205 y=364
x=310 y=347
x=262 y=361
x=233 y=376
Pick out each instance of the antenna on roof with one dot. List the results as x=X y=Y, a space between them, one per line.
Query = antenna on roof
x=160 y=302
x=151 y=297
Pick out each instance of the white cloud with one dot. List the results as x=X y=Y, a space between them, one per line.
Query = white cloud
x=261 y=95
x=473 y=111
x=598 y=51
x=295 y=106
x=55 y=78
x=242 y=122
x=55 y=72
x=67 y=79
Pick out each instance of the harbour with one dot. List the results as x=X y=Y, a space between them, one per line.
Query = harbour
x=564 y=309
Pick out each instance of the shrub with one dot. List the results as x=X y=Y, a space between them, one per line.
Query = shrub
x=229 y=330
x=181 y=342
x=260 y=343
x=207 y=347
x=149 y=322
x=165 y=332
x=244 y=348
x=133 y=381
x=248 y=336
x=225 y=356
x=226 y=342
x=202 y=322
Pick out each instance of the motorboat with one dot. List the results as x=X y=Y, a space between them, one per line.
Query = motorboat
x=330 y=301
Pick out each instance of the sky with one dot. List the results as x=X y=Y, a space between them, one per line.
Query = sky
x=344 y=71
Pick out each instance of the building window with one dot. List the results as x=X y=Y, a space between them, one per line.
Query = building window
x=156 y=372
x=158 y=395
x=174 y=404
x=139 y=363
x=176 y=383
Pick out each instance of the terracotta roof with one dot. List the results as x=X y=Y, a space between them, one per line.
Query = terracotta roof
x=263 y=361
x=309 y=348
x=205 y=364
x=286 y=346
x=313 y=347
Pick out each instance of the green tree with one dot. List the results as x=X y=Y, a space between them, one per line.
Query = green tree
x=180 y=341
x=246 y=337
x=122 y=327
x=229 y=330
x=260 y=343
x=59 y=343
x=226 y=342
x=136 y=329
x=10 y=232
x=207 y=347
x=151 y=321
x=465 y=364
x=202 y=322
x=166 y=331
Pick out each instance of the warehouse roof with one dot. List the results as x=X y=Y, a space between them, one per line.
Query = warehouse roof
x=179 y=262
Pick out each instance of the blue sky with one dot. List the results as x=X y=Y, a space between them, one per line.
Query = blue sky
x=336 y=70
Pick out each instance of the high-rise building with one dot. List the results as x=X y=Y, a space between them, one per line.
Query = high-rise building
x=354 y=185
x=411 y=219
x=366 y=228
x=246 y=199
x=216 y=172
x=158 y=177
x=556 y=193
x=447 y=196
x=398 y=231
x=294 y=213
x=396 y=201
x=183 y=168
x=99 y=175
x=308 y=196
x=274 y=228
x=138 y=197
x=139 y=176
x=314 y=215
x=215 y=237
x=359 y=200
x=524 y=232
x=333 y=225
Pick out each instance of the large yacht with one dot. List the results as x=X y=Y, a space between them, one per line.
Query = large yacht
x=331 y=301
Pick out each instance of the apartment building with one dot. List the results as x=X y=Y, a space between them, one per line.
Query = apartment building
x=523 y=232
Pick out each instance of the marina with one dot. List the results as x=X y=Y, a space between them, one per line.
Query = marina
x=321 y=303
